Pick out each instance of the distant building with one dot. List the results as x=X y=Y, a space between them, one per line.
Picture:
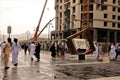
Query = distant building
x=104 y=20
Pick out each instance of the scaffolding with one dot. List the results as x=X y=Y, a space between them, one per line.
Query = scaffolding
x=84 y=29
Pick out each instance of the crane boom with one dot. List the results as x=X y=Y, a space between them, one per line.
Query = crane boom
x=44 y=27
x=37 y=28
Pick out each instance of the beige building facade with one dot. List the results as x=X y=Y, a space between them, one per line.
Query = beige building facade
x=104 y=20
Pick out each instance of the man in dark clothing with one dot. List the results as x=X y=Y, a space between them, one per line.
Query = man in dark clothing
x=117 y=50
x=53 y=51
x=25 y=48
x=37 y=51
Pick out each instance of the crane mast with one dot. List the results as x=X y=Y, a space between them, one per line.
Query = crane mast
x=86 y=23
x=85 y=14
x=37 y=28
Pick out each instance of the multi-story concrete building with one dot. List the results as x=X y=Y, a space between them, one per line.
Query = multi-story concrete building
x=104 y=19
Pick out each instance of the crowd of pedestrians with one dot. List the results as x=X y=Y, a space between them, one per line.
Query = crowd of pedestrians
x=101 y=49
x=8 y=47
x=58 y=51
x=34 y=49
x=113 y=50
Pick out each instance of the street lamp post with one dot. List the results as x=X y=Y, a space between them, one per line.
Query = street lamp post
x=9 y=30
x=48 y=44
x=27 y=32
x=49 y=30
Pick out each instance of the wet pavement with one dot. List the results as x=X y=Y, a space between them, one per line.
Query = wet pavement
x=69 y=68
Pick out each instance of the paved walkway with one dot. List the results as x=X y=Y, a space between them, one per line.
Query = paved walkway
x=69 y=68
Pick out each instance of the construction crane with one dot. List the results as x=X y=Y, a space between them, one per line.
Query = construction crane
x=36 y=35
x=37 y=28
x=84 y=30
x=44 y=27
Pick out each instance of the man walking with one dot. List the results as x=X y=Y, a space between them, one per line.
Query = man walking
x=53 y=51
x=32 y=50
x=15 y=50
x=117 y=50
x=37 y=51
x=7 y=53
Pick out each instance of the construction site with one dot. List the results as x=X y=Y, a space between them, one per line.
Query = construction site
x=79 y=24
x=93 y=20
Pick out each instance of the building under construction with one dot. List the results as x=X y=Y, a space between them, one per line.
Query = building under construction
x=104 y=19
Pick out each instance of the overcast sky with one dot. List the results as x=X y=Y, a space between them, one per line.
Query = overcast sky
x=23 y=15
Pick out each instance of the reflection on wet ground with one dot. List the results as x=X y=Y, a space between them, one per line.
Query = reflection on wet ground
x=59 y=69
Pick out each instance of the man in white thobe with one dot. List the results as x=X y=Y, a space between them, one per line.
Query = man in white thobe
x=96 y=50
x=112 y=52
x=15 y=50
x=32 y=50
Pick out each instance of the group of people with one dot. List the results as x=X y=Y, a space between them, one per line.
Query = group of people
x=34 y=50
x=58 y=51
x=113 y=50
x=8 y=47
